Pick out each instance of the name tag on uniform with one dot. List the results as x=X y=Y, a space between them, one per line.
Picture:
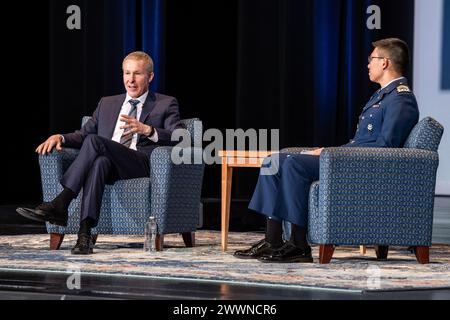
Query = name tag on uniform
x=376 y=106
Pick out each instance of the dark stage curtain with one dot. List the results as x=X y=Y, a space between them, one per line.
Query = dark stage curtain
x=302 y=67
x=69 y=71
x=86 y=63
x=295 y=65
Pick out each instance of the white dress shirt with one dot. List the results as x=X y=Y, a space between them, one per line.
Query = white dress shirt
x=126 y=107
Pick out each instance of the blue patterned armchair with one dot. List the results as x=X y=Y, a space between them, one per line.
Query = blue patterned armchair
x=171 y=194
x=376 y=196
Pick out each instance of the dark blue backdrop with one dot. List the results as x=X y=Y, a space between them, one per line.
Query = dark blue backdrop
x=296 y=65
x=142 y=28
x=302 y=65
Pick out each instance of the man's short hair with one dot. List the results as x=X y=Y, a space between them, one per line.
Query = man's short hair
x=397 y=51
x=141 y=56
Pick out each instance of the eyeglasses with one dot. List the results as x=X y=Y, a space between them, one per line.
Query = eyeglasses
x=369 y=59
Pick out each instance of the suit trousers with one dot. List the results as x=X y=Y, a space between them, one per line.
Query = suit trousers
x=284 y=195
x=102 y=161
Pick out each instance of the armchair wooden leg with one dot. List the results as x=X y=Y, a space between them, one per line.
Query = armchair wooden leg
x=55 y=240
x=325 y=253
x=189 y=239
x=159 y=242
x=382 y=252
x=94 y=238
x=422 y=254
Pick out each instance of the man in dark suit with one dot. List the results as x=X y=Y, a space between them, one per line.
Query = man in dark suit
x=385 y=122
x=114 y=144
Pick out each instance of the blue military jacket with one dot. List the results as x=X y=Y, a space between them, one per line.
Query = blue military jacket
x=388 y=117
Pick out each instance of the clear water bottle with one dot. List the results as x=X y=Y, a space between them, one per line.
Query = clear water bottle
x=150 y=235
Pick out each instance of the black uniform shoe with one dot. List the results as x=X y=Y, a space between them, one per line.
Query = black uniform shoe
x=84 y=244
x=255 y=251
x=288 y=253
x=45 y=212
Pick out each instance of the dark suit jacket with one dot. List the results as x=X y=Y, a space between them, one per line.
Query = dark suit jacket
x=159 y=111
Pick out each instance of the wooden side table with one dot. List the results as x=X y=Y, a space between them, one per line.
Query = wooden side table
x=230 y=160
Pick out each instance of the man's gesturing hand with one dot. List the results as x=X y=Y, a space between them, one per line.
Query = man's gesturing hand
x=49 y=144
x=132 y=126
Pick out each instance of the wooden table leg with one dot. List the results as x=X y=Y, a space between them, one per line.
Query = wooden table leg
x=227 y=175
x=362 y=249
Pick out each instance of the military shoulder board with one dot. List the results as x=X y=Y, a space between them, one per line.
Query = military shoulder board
x=403 y=88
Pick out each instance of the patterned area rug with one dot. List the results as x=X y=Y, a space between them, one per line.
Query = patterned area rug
x=123 y=255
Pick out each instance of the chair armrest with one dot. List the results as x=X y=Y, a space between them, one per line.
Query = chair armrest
x=378 y=162
x=295 y=150
x=175 y=188
x=368 y=171
x=52 y=167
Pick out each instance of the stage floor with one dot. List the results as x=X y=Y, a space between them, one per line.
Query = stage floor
x=21 y=281
x=120 y=269
x=52 y=286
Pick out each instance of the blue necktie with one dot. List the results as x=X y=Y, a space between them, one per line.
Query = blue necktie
x=126 y=140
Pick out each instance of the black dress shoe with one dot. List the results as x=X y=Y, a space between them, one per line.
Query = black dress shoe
x=255 y=251
x=84 y=244
x=45 y=212
x=288 y=253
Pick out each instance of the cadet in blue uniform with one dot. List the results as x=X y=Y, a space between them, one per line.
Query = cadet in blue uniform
x=385 y=121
